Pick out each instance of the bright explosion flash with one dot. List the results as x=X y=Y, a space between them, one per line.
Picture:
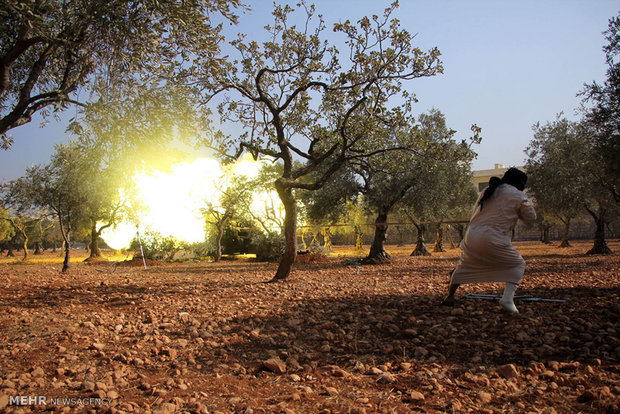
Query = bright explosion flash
x=173 y=200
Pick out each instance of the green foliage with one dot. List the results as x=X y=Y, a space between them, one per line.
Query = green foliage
x=157 y=247
x=299 y=98
x=317 y=249
x=52 y=50
x=237 y=241
x=269 y=246
x=557 y=168
x=603 y=116
x=6 y=230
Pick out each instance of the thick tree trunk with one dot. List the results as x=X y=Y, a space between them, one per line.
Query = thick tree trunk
x=600 y=245
x=420 y=248
x=290 y=232
x=10 y=252
x=439 y=240
x=565 y=242
x=95 y=252
x=303 y=240
x=37 y=247
x=544 y=232
x=218 y=243
x=377 y=249
x=327 y=240
x=25 y=247
x=452 y=246
x=359 y=237
x=65 y=236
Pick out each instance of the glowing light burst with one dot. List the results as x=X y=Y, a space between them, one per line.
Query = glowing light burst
x=173 y=200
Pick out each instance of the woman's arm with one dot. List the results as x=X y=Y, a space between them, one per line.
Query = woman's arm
x=526 y=211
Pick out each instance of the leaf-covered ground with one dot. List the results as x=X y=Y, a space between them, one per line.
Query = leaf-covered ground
x=212 y=337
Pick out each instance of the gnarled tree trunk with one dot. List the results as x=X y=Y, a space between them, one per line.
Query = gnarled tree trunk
x=359 y=237
x=420 y=248
x=290 y=232
x=600 y=245
x=565 y=242
x=377 y=249
x=545 y=227
x=65 y=231
x=439 y=240
x=327 y=240
x=95 y=252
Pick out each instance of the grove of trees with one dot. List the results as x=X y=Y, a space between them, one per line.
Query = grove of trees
x=333 y=115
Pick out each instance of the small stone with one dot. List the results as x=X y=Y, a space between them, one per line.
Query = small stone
x=386 y=378
x=100 y=386
x=166 y=408
x=38 y=372
x=339 y=372
x=405 y=366
x=375 y=371
x=331 y=391
x=235 y=400
x=88 y=386
x=547 y=374
x=98 y=346
x=485 y=397
x=4 y=401
x=416 y=396
x=88 y=325
x=171 y=352
x=275 y=365
x=457 y=312
x=508 y=371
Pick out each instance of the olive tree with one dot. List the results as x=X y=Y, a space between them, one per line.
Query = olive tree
x=603 y=116
x=299 y=98
x=554 y=154
x=55 y=53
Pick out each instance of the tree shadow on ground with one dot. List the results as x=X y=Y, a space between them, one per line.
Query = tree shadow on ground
x=342 y=331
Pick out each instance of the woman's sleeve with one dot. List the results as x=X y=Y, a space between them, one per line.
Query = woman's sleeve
x=526 y=210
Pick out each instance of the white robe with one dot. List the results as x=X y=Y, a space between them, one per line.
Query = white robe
x=488 y=254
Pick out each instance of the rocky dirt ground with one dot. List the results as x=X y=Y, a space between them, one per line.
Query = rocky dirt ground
x=213 y=337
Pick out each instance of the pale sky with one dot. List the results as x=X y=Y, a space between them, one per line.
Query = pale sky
x=507 y=65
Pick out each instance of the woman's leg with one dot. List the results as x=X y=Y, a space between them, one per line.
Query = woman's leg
x=507 y=300
x=449 y=300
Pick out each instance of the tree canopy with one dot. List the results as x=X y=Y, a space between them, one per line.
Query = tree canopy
x=54 y=53
x=604 y=115
x=298 y=97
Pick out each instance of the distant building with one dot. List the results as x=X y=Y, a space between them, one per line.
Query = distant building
x=482 y=177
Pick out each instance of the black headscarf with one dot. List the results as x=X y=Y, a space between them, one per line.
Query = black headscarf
x=513 y=176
